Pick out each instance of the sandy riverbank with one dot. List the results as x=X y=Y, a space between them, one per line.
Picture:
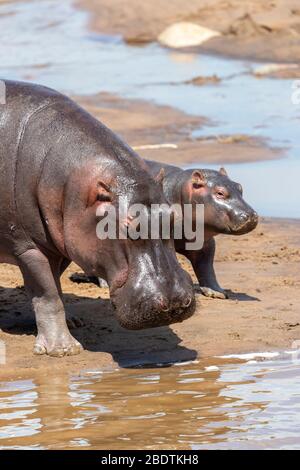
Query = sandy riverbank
x=262 y=30
x=261 y=269
x=141 y=123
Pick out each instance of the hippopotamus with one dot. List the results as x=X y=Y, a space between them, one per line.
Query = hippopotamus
x=225 y=212
x=58 y=166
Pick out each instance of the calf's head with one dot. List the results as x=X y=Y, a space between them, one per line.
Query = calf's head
x=225 y=210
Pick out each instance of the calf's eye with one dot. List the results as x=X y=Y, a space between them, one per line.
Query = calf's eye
x=221 y=194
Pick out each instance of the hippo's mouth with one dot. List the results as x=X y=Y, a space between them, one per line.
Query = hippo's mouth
x=118 y=282
x=243 y=228
x=141 y=318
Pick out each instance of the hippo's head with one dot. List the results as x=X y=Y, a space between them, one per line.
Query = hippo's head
x=225 y=210
x=148 y=287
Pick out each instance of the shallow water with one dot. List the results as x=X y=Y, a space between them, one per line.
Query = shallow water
x=48 y=42
x=191 y=406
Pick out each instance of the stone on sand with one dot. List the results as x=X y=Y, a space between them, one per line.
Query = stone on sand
x=185 y=34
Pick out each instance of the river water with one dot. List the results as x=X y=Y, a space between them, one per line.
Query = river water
x=254 y=404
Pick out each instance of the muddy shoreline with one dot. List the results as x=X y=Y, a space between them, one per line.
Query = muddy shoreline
x=262 y=314
x=164 y=133
x=267 y=31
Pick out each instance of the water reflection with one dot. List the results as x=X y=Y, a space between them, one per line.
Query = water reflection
x=183 y=407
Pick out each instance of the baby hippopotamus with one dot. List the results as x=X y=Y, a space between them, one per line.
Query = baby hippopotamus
x=225 y=212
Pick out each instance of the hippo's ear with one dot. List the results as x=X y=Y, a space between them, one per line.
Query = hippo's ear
x=223 y=172
x=160 y=176
x=198 y=179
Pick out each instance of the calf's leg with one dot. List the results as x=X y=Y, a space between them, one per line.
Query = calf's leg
x=203 y=265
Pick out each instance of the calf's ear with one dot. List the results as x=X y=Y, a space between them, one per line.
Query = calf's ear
x=223 y=172
x=198 y=179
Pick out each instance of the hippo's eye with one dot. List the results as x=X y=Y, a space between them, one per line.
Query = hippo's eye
x=103 y=197
x=221 y=193
x=103 y=192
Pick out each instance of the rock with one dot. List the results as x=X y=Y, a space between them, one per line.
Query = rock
x=200 y=81
x=270 y=69
x=185 y=34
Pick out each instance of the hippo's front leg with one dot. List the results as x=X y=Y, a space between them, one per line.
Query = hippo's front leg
x=43 y=286
x=203 y=264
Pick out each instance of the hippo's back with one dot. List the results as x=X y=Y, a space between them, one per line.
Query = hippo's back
x=22 y=102
x=44 y=135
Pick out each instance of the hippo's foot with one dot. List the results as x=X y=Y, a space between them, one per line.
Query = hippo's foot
x=213 y=294
x=63 y=345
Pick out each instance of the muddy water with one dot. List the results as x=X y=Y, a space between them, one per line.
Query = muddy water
x=48 y=42
x=191 y=406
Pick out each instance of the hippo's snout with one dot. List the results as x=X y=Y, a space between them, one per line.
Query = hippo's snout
x=163 y=304
x=155 y=315
x=247 y=221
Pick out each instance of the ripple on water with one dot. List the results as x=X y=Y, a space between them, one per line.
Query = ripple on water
x=230 y=405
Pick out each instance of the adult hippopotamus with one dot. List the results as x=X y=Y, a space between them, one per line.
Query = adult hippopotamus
x=225 y=212
x=58 y=166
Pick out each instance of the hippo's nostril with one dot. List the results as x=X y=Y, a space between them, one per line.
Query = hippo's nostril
x=164 y=308
x=244 y=216
x=187 y=302
x=163 y=305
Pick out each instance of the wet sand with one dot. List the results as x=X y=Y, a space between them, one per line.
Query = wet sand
x=142 y=123
x=252 y=28
x=262 y=314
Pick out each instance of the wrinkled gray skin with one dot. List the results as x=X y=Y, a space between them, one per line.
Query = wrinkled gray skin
x=58 y=165
x=225 y=211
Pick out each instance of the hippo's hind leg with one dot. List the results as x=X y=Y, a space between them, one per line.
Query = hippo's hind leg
x=41 y=279
x=203 y=264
